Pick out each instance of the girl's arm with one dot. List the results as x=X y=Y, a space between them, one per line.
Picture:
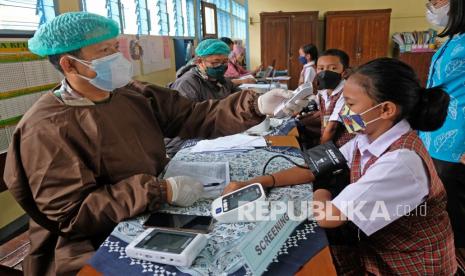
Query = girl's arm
x=329 y=132
x=292 y=176
x=325 y=213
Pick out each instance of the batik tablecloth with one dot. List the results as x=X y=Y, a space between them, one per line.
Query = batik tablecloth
x=221 y=256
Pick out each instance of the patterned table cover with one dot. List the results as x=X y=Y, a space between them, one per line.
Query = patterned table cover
x=220 y=256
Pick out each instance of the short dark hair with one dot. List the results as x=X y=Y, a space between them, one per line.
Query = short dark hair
x=55 y=59
x=388 y=79
x=227 y=40
x=311 y=50
x=456 y=24
x=343 y=56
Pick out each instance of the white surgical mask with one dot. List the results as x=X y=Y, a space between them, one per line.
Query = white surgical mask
x=438 y=16
x=113 y=71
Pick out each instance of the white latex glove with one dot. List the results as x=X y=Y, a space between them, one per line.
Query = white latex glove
x=271 y=99
x=185 y=190
x=268 y=102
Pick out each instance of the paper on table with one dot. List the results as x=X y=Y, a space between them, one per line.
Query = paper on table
x=213 y=175
x=282 y=78
x=248 y=76
x=260 y=86
x=228 y=143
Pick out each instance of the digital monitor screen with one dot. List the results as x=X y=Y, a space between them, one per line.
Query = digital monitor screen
x=244 y=196
x=166 y=242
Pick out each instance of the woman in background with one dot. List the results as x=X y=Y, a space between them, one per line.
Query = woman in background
x=447 y=144
x=235 y=69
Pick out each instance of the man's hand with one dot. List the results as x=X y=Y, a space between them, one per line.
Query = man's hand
x=258 y=69
x=233 y=186
x=243 y=81
x=249 y=80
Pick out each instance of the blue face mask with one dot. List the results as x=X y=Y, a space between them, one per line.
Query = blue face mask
x=303 y=60
x=113 y=71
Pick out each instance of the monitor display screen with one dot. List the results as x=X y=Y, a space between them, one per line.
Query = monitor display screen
x=166 y=242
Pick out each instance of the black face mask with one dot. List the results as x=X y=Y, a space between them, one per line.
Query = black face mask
x=328 y=79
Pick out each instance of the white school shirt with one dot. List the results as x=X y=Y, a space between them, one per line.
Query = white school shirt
x=308 y=72
x=339 y=104
x=398 y=179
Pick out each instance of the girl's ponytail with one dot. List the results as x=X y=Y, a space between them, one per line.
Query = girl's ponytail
x=388 y=79
x=431 y=109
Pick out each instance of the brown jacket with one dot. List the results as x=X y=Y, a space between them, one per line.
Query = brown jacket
x=196 y=87
x=79 y=170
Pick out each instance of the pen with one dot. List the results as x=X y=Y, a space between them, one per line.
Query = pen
x=211 y=184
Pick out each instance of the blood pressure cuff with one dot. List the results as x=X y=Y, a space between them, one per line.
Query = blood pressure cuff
x=324 y=159
x=333 y=182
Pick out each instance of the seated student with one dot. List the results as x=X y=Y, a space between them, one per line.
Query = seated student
x=390 y=167
x=331 y=67
x=308 y=54
x=206 y=79
x=235 y=69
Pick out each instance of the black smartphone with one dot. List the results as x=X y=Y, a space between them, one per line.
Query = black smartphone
x=200 y=224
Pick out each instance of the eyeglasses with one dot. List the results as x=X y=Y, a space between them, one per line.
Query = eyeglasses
x=216 y=64
x=436 y=4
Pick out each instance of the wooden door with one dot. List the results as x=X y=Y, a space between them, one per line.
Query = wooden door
x=281 y=36
x=341 y=33
x=274 y=40
x=303 y=31
x=363 y=34
x=373 y=37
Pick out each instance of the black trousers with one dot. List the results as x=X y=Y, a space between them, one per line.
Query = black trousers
x=453 y=178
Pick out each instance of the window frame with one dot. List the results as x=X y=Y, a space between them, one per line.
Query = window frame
x=204 y=26
x=231 y=33
x=150 y=19
x=11 y=33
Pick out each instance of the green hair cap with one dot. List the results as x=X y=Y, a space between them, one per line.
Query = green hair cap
x=72 y=31
x=210 y=47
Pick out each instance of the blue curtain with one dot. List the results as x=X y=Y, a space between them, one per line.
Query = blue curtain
x=45 y=10
x=178 y=18
x=224 y=23
x=143 y=17
x=190 y=18
x=163 y=22
x=239 y=20
x=113 y=11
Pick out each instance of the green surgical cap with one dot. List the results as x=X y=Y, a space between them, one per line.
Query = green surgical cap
x=72 y=31
x=210 y=47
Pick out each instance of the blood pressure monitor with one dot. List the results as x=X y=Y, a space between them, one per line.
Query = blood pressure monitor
x=227 y=208
x=170 y=247
x=302 y=92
